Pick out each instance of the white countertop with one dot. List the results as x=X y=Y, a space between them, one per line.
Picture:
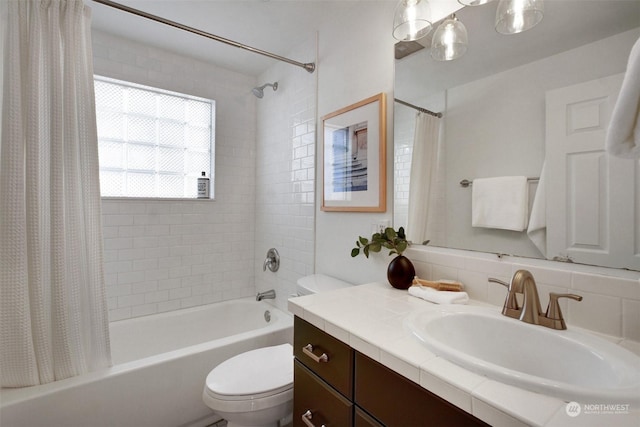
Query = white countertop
x=370 y=317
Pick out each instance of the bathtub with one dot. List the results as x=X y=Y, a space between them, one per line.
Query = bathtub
x=160 y=363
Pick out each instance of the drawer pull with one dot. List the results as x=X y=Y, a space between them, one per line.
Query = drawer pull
x=306 y=418
x=308 y=350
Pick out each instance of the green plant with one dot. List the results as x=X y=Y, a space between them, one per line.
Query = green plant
x=390 y=239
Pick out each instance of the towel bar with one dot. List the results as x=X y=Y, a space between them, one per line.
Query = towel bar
x=466 y=183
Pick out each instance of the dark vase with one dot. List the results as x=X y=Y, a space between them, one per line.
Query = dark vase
x=400 y=272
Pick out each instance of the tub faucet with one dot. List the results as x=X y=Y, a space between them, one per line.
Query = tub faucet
x=523 y=283
x=270 y=294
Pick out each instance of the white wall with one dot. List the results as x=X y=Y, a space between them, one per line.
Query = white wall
x=166 y=255
x=285 y=172
x=355 y=62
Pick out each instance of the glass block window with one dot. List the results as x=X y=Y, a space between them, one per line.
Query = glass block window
x=152 y=143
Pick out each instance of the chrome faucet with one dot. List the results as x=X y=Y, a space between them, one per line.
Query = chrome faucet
x=270 y=294
x=523 y=283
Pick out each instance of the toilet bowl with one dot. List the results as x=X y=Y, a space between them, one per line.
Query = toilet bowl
x=255 y=388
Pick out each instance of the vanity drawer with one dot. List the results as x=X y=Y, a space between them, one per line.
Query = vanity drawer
x=316 y=401
x=337 y=370
x=397 y=401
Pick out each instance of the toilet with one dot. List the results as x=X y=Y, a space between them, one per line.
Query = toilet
x=255 y=388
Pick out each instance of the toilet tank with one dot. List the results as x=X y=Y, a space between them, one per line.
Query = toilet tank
x=316 y=283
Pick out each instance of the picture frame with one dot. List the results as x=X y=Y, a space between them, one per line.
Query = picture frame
x=354 y=154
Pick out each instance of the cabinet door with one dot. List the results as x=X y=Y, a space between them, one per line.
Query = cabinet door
x=362 y=419
x=337 y=370
x=396 y=401
x=315 y=403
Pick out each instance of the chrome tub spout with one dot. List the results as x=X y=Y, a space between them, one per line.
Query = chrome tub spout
x=270 y=294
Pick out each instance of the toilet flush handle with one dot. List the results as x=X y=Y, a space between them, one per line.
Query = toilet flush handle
x=306 y=419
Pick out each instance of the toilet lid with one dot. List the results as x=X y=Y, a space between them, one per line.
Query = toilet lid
x=257 y=373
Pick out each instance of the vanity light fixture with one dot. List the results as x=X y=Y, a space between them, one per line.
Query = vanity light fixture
x=474 y=2
x=412 y=20
x=516 y=16
x=450 y=40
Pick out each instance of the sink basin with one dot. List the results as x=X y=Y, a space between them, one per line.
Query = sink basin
x=570 y=365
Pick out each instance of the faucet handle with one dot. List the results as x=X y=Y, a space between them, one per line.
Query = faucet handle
x=553 y=309
x=510 y=303
x=494 y=280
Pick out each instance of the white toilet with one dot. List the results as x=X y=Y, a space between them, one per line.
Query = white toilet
x=255 y=388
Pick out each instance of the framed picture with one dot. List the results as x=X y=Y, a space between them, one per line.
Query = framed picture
x=354 y=157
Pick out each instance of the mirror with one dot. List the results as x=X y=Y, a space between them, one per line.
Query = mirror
x=496 y=119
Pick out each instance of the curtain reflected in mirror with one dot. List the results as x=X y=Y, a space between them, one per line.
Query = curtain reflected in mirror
x=425 y=185
x=500 y=106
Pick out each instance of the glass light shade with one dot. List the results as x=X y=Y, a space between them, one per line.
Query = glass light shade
x=412 y=20
x=474 y=2
x=450 y=40
x=516 y=16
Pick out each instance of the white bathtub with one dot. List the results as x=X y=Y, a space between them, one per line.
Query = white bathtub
x=160 y=365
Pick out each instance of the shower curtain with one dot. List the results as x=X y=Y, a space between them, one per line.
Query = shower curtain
x=53 y=314
x=422 y=181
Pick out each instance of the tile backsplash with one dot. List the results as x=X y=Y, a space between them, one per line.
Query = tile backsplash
x=611 y=297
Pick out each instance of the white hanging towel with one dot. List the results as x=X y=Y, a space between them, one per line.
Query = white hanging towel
x=537 y=230
x=623 y=134
x=500 y=202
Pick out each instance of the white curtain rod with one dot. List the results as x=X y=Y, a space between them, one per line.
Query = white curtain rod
x=310 y=66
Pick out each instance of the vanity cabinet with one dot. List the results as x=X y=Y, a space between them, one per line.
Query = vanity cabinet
x=309 y=346
x=396 y=401
x=317 y=402
x=323 y=378
x=335 y=385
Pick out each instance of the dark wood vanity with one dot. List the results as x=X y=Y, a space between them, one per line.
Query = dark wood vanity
x=335 y=385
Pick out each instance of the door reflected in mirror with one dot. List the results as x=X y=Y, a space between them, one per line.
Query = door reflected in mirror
x=511 y=105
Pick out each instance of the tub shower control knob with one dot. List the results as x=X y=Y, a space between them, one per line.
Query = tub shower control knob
x=272 y=260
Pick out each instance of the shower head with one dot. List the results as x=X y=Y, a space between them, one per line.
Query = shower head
x=259 y=91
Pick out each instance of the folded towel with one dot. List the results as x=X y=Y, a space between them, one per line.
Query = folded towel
x=537 y=230
x=623 y=134
x=500 y=202
x=438 y=297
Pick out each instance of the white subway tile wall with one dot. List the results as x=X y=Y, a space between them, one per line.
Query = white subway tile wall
x=404 y=129
x=167 y=255
x=285 y=174
x=611 y=297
